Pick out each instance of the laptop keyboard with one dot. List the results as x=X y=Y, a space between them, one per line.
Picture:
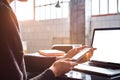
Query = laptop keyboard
x=104 y=65
x=96 y=70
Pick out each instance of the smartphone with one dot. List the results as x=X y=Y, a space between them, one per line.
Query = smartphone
x=80 y=55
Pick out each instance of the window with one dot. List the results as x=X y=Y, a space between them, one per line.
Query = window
x=105 y=6
x=112 y=6
x=45 y=9
x=23 y=10
x=95 y=7
x=118 y=6
x=40 y=9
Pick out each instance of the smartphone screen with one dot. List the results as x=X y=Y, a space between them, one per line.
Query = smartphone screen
x=81 y=54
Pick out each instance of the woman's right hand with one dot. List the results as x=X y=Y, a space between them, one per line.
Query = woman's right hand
x=62 y=66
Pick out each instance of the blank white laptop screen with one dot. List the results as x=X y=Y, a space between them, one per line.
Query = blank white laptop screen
x=107 y=42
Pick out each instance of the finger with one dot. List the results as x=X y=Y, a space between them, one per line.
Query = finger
x=70 y=61
x=93 y=48
x=80 y=48
x=67 y=59
x=73 y=63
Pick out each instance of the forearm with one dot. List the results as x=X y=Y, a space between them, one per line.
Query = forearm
x=37 y=63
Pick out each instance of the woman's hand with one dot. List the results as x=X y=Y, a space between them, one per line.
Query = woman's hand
x=62 y=66
x=73 y=52
x=87 y=56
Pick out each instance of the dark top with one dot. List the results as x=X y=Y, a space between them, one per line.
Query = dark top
x=12 y=65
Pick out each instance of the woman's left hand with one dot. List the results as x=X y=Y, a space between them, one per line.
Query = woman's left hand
x=74 y=51
x=87 y=56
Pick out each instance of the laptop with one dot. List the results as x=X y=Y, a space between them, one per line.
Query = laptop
x=106 y=59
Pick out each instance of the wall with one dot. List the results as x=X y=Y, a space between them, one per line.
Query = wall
x=43 y=34
x=77 y=21
x=105 y=21
x=87 y=21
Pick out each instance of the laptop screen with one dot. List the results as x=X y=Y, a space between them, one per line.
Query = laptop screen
x=107 y=42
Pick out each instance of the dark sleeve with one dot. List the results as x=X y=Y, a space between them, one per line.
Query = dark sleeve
x=38 y=64
x=11 y=55
x=37 y=67
x=46 y=75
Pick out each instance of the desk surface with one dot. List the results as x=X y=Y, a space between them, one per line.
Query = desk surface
x=98 y=71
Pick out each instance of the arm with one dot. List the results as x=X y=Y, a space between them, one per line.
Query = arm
x=50 y=68
x=11 y=58
x=46 y=75
x=38 y=63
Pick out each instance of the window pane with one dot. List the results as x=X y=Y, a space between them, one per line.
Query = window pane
x=48 y=12
x=42 y=13
x=53 y=1
x=24 y=10
x=66 y=0
x=95 y=7
x=47 y=1
x=58 y=13
x=37 y=2
x=65 y=12
x=12 y=4
x=112 y=6
x=119 y=5
x=37 y=15
x=103 y=6
x=53 y=12
x=42 y=2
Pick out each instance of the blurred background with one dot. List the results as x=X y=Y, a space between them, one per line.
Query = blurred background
x=44 y=23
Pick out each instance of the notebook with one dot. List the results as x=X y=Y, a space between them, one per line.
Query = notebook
x=106 y=59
